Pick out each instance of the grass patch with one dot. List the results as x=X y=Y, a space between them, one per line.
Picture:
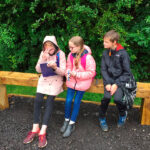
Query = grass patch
x=24 y=90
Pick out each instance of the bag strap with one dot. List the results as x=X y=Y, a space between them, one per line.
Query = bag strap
x=71 y=59
x=58 y=58
x=83 y=60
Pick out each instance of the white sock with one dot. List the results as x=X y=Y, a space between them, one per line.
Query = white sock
x=43 y=129
x=71 y=122
x=35 y=128
x=66 y=119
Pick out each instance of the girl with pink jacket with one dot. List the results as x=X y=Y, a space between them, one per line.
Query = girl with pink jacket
x=79 y=79
x=52 y=65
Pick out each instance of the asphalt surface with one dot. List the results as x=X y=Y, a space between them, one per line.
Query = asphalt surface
x=16 y=122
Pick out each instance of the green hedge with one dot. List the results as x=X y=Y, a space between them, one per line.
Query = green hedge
x=24 y=24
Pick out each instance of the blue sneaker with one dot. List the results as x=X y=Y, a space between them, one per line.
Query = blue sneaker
x=122 y=120
x=103 y=124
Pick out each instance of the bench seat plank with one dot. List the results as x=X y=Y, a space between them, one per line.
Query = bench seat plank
x=31 y=79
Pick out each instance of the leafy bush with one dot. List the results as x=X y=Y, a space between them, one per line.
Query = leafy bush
x=25 y=23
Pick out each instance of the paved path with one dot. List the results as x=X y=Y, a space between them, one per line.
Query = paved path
x=17 y=121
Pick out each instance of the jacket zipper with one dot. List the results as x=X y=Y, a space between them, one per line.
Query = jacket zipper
x=75 y=83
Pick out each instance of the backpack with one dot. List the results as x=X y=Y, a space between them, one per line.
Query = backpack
x=129 y=92
x=57 y=58
x=83 y=61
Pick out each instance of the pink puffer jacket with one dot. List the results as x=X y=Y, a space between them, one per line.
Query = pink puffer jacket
x=83 y=78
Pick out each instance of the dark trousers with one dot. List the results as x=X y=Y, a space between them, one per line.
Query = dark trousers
x=48 y=108
x=117 y=99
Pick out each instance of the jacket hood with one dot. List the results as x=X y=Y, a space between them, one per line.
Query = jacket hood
x=119 y=47
x=51 y=39
x=88 y=49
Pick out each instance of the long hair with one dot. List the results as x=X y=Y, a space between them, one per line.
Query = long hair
x=78 y=41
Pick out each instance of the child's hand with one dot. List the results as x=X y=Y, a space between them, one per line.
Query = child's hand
x=52 y=65
x=73 y=73
x=108 y=87
x=45 y=56
x=68 y=75
x=114 y=88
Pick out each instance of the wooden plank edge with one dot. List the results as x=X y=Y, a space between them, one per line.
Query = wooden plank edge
x=63 y=99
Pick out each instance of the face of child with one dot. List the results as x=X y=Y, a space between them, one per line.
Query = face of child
x=73 y=48
x=108 y=44
x=49 y=48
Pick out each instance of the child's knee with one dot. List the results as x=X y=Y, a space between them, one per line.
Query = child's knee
x=105 y=100
x=68 y=101
x=118 y=101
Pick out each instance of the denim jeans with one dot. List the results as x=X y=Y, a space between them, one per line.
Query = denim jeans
x=76 y=105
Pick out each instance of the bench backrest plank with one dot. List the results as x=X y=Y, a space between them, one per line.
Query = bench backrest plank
x=31 y=79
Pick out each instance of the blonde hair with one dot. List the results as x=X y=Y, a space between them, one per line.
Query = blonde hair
x=78 y=41
x=112 y=35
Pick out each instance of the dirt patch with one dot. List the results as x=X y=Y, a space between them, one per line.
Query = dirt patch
x=16 y=121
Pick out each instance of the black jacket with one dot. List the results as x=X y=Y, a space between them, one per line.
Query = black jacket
x=115 y=69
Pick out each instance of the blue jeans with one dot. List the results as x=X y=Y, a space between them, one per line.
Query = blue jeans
x=76 y=106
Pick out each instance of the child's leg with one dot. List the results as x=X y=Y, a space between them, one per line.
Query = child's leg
x=71 y=126
x=68 y=103
x=35 y=129
x=69 y=98
x=104 y=104
x=48 y=109
x=47 y=114
x=118 y=101
x=37 y=110
x=76 y=106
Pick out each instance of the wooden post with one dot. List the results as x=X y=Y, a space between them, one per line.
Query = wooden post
x=145 y=118
x=3 y=97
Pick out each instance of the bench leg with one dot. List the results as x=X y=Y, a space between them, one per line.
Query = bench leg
x=145 y=116
x=3 y=97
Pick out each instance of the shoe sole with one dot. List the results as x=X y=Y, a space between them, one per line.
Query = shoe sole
x=105 y=130
x=28 y=142
x=43 y=145
x=119 y=126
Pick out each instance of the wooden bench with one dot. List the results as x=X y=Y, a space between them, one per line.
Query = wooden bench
x=30 y=79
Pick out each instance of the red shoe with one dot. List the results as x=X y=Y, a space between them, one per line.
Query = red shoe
x=42 y=141
x=30 y=137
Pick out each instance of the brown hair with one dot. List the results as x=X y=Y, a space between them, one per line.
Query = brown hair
x=78 y=41
x=112 y=35
x=55 y=46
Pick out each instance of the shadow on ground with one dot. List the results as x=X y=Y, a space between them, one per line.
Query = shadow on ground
x=16 y=121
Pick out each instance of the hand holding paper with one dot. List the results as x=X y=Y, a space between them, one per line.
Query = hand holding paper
x=52 y=65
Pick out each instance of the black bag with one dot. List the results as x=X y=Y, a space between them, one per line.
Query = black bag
x=129 y=92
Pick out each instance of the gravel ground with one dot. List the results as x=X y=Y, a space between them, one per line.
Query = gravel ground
x=16 y=121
